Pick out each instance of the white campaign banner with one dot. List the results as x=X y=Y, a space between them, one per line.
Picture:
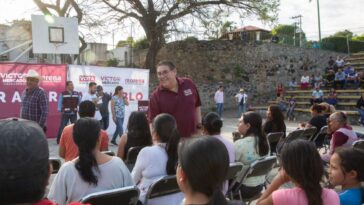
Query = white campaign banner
x=135 y=83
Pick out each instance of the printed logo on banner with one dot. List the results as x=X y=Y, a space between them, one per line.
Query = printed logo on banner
x=110 y=80
x=19 y=78
x=132 y=81
x=85 y=79
x=13 y=78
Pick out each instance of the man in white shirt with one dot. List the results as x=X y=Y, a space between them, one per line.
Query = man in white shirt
x=91 y=96
x=219 y=100
x=241 y=100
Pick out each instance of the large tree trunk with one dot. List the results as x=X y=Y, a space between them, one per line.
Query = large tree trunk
x=150 y=61
x=155 y=35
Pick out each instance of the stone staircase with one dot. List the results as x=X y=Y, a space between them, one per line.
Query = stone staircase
x=346 y=98
x=357 y=61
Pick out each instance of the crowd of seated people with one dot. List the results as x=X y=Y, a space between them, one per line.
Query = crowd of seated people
x=200 y=163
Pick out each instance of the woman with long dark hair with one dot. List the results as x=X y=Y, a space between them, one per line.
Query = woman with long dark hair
x=201 y=171
x=302 y=165
x=138 y=134
x=160 y=159
x=118 y=103
x=274 y=123
x=92 y=171
x=251 y=147
x=275 y=120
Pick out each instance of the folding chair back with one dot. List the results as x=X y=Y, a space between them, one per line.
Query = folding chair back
x=109 y=152
x=261 y=167
x=320 y=138
x=296 y=134
x=359 y=144
x=56 y=164
x=234 y=168
x=165 y=186
x=273 y=139
x=131 y=156
x=126 y=195
x=308 y=133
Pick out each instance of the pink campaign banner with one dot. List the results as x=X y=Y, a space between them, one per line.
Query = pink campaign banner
x=12 y=85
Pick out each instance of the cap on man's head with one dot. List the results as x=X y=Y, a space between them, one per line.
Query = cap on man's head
x=241 y=90
x=23 y=149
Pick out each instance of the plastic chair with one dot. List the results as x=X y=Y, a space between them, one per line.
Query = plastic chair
x=56 y=164
x=126 y=195
x=163 y=189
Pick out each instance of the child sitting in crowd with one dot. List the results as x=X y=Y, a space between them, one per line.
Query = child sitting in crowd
x=302 y=165
x=347 y=170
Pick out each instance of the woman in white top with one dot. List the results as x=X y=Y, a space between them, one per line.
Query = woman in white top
x=251 y=147
x=160 y=159
x=305 y=81
x=92 y=171
x=212 y=124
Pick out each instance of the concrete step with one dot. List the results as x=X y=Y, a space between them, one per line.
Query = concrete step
x=349 y=97
x=325 y=91
x=355 y=58
x=349 y=112
x=308 y=103
x=361 y=53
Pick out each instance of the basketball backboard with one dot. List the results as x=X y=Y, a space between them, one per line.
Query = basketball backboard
x=55 y=35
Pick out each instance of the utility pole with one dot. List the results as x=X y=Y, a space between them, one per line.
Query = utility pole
x=318 y=17
x=319 y=24
x=300 y=26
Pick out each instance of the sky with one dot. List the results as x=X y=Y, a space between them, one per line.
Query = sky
x=336 y=15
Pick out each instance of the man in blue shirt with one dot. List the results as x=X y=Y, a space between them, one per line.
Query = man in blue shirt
x=317 y=96
x=67 y=105
x=339 y=79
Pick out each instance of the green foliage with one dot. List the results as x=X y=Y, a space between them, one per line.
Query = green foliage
x=358 y=38
x=339 y=44
x=286 y=34
x=345 y=33
x=128 y=42
x=141 y=43
x=113 y=62
x=214 y=24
